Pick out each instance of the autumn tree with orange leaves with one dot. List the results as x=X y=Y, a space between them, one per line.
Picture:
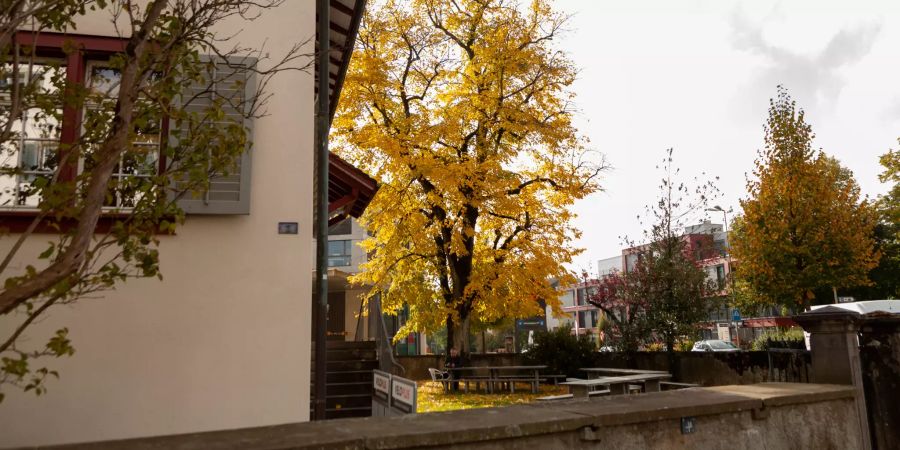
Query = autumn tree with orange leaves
x=805 y=227
x=462 y=111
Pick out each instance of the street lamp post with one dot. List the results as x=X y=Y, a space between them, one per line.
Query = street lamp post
x=718 y=208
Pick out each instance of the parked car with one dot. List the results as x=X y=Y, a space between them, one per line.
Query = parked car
x=714 y=345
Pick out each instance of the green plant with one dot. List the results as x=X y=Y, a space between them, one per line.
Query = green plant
x=780 y=338
x=561 y=351
x=684 y=345
x=655 y=346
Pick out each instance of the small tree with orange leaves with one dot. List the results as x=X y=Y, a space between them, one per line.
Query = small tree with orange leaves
x=805 y=226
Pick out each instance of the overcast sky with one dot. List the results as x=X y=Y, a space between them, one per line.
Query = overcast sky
x=697 y=76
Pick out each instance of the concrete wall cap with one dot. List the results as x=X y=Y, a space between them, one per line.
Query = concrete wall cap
x=488 y=424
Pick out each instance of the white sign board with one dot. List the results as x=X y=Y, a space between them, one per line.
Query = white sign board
x=381 y=384
x=724 y=332
x=403 y=395
x=381 y=393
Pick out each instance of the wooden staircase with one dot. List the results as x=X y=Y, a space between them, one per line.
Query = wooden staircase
x=348 y=388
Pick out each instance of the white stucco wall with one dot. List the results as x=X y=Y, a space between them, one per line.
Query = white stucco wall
x=224 y=341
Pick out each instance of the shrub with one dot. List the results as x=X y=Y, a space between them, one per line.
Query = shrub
x=781 y=338
x=561 y=351
x=655 y=347
x=684 y=345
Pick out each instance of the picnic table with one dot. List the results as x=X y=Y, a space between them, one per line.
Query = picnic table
x=617 y=385
x=494 y=376
x=594 y=372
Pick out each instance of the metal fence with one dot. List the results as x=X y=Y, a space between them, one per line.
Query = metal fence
x=789 y=365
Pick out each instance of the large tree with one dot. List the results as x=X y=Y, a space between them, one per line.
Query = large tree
x=885 y=276
x=805 y=226
x=461 y=110
x=78 y=154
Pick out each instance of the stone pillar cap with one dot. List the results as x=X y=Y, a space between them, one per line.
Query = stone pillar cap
x=827 y=314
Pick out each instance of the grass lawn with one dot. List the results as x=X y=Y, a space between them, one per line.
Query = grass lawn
x=432 y=397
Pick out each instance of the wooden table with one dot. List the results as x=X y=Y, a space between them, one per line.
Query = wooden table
x=617 y=385
x=495 y=377
x=594 y=372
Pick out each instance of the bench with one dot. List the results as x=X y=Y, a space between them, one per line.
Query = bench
x=555 y=378
x=551 y=398
x=671 y=385
x=617 y=385
x=477 y=379
x=511 y=380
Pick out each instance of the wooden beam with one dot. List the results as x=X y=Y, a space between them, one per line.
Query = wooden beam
x=336 y=4
x=339 y=29
x=343 y=201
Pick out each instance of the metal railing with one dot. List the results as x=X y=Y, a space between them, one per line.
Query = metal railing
x=382 y=340
x=794 y=365
x=385 y=347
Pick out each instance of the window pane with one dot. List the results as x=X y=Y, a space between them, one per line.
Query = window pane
x=339 y=253
x=29 y=158
x=338 y=261
x=104 y=81
x=336 y=248
x=130 y=179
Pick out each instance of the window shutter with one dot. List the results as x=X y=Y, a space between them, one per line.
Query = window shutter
x=227 y=193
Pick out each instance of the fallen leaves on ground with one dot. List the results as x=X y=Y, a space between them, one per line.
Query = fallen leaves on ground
x=432 y=397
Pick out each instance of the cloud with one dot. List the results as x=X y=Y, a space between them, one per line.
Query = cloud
x=812 y=78
x=892 y=111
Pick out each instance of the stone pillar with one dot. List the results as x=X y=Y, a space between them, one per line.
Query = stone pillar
x=879 y=343
x=834 y=347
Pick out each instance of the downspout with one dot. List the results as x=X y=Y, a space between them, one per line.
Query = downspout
x=323 y=115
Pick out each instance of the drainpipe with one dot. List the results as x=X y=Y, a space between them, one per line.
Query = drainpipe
x=322 y=116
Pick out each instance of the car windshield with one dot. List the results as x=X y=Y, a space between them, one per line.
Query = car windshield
x=721 y=345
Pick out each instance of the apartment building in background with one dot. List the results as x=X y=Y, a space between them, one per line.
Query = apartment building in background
x=708 y=244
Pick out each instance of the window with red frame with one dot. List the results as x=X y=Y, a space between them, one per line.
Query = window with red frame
x=40 y=141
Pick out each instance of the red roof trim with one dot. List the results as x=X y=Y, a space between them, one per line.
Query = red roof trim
x=345 y=183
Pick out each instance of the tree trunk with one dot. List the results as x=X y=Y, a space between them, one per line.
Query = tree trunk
x=451 y=333
x=674 y=367
x=460 y=336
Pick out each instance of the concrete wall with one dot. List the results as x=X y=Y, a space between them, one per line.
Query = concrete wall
x=765 y=416
x=223 y=341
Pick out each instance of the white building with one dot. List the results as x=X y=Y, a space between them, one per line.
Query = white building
x=224 y=340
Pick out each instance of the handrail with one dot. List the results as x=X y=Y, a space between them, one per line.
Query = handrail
x=358 y=335
x=387 y=342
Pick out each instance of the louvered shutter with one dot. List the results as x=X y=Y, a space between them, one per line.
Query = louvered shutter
x=227 y=193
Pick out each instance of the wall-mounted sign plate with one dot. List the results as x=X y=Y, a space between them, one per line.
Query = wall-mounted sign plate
x=288 y=227
x=688 y=425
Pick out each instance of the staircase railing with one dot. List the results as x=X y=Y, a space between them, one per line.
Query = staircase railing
x=388 y=348
x=384 y=347
x=358 y=335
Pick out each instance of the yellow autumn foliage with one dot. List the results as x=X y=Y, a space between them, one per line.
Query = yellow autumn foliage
x=461 y=111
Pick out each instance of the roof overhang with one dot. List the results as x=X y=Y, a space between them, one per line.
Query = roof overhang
x=349 y=189
x=344 y=17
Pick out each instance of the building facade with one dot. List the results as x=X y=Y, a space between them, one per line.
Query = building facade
x=708 y=244
x=223 y=341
